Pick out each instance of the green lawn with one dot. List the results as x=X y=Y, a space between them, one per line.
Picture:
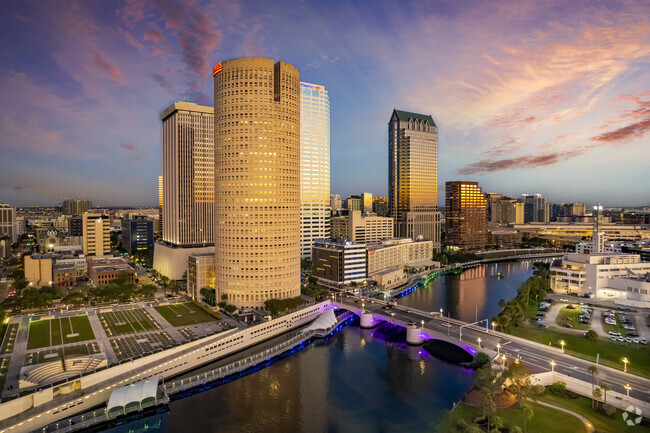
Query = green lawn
x=544 y=419
x=44 y=333
x=183 y=314
x=571 y=316
x=602 y=424
x=610 y=352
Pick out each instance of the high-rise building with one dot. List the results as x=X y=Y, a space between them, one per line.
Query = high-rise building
x=598 y=235
x=75 y=225
x=465 y=215
x=314 y=166
x=160 y=205
x=75 y=207
x=336 y=204
x=137 y=234
x=96 y=234
x=257 y=181
x=8 y=222
x=380 y=206
x=366 y=202
x=536 y=209
x=187 y=187
x=492 y=199
x=413 y=176
x=353 y=203
x=507 y=211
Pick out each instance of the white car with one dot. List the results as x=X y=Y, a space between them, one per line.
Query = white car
x=635 y=340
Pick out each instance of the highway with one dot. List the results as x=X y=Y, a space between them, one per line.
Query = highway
x=529 y=352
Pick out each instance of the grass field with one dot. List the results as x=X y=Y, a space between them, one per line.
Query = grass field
x=183 y=314
x=544 y=419
x=130 y=321
x=571 y=316
x=53 y=332
x=602 y=424
x=610 y=352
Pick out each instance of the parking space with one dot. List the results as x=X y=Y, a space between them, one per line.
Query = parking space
x=132 y=346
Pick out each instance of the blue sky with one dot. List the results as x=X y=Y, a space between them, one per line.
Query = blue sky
x=529 y=97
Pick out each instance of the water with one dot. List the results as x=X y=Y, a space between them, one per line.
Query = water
x=357 y=381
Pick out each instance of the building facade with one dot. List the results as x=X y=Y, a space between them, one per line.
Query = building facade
x=257 y=181
x=338 y=262
x=137 y=234
x=398 y=253
x=96 y=234
x=336 y=204
x=314 y=166
x=465 y=215
x=413 y=176
x=8 y=222
x=75 y=207
x=160 y=205
x=536 y=209
x=362 y=228
x=102 y=271
x=366 y=202
x=38 y=270
x=507 y=211
x=380 y=206
x=200 y=274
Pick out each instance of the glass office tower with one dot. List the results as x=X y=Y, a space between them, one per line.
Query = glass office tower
x=314 y=166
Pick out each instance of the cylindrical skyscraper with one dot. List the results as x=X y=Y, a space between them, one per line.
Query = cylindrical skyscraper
x=257 y=181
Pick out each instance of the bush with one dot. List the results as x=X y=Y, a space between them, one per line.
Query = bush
x=591 y=335
x=608 y=410
x=230 y=308
x=480 y=360
x=558 y=388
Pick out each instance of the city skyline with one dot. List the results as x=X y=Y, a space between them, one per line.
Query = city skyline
x=554 y=89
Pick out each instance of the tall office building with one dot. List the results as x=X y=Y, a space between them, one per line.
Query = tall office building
x=160 y=205
x=96 y=234
x=257 y=181
x=380 y=206
x=413 y=176
x=366 y=202
x=8 y=222
x=314 y=166
x=465 y=215
x=536 y=209
x=187 y=187
x=137 y=234
x=75 y=207
x=353 y=203
x=336 y=204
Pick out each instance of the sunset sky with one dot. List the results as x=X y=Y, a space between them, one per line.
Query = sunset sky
x=529 y=97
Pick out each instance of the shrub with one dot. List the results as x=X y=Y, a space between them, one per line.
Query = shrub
x=608 y=410
x=558 y=388
x=480 y=360
x=591 y=335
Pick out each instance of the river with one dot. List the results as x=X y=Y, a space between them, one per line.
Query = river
x=358 y=380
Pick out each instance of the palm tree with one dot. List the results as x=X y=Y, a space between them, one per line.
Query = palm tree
x=528 y=413
x=605 y=387
x=597 y=394
x=594 y=371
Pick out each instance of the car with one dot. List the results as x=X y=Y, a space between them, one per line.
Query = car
x=541 y=325
x=635 y=340
x=643 y=341
x=613 y=338
x=628 y=340
x=567 y=325
x=619 y=338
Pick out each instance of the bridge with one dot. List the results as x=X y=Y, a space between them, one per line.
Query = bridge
x=423 y=325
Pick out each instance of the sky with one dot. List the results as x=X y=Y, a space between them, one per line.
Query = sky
x=529 y=97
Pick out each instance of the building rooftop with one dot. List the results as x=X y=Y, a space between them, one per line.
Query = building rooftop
x=185 y=106
x=405 y=116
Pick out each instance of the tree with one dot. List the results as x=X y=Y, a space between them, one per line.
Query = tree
x=519 y=381
x=597 y=394
x=527 y=413
x=591 y=335
x=558 y=388
x=147 y=291
x=75 y=298
x=605 y=387
x=312 y=280
x=593 y=370
x=174 y=287
x=502 y=304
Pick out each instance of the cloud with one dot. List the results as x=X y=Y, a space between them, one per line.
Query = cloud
x=104 y=64
x=528 y=161
x=153 y=35
x=634 y=130
x=626 y=133
x=135 y=152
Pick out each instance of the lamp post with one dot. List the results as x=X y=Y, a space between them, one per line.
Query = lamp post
x=625 y=361
x=552 y=366
x=562 y=343
x=628 y=388
x=498 y=348
x=479 y=342
x=493 y=325
x=503 y=360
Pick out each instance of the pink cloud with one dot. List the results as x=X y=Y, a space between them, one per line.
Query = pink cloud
x=528 y=161
x=135 y=152
x=105 y=65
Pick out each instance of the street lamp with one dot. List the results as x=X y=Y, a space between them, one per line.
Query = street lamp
x=422 y=322
x=552 y=366
x=628 y=388
x=479 y=342
x=503 y=360
x=625 y=361
x=498 y=348
x=562 y=343
x=493 y=325
x=441 y=312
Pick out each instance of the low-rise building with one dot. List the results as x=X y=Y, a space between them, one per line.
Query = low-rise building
x=64 y=274
x=631 y=287
x=398 y=253
x=105 y=269
x=390 y=278
x=38 y=269
x=338 y=262
x=200 y=273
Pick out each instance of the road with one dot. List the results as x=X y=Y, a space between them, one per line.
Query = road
x=532 y=353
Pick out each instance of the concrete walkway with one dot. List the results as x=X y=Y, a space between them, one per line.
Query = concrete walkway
x=588 y=425
x=166 y=326
x=597 y=322
x=101 y=337
x=17 y=358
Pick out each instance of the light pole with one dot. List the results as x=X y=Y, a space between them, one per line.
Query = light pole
x=625 y=361
x=479 y=342
x=562 y=343
x=628 y=388
x=493 y=325
x=552 y=366
x=498 y=348
x=503 y=360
